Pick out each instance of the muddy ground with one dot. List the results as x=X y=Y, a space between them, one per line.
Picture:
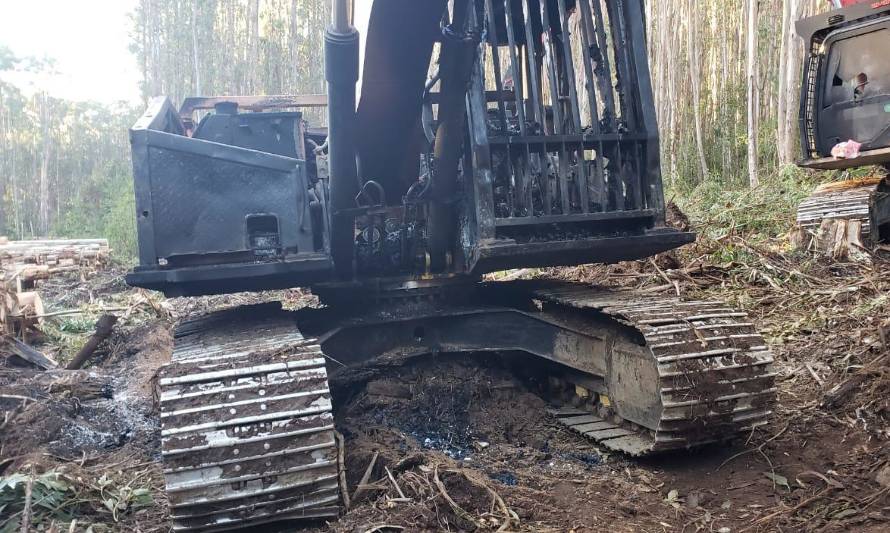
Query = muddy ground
x=468 y=443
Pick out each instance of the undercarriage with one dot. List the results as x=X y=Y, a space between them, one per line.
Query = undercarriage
x=247 y=423
x=488 y=136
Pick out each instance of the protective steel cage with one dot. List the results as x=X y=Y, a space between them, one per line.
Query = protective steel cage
x=562 y=116
x=836 y=105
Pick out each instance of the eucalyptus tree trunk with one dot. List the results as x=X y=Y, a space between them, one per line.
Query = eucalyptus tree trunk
x=782 y=111
x=43 y=199
x=195 y=60
x=253 y=56
x=695 y=75
x=753 y=96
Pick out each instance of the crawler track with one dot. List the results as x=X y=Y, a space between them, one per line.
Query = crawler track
x=247 y=429
x=714 y=372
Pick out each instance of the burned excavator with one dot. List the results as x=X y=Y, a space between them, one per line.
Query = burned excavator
x=489 y=135
x=845 y=118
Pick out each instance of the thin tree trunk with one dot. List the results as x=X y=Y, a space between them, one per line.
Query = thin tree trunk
x=753 y=177
x=253 y=22
x=695 y=77
x=43 y=209
x=793 y=70
x=3 y=162
x=294 y=43
x=781 y=117
x=195 y=59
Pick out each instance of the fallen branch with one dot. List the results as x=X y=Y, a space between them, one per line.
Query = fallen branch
x=71 y=312
x=103 y=329
x=394 y=483
x=341 y=464
x=361 y=488
x=840 y=393
x=25 y=352
x=458 y=510
x=791 y=511
x=674 y=283
x=757 y=449
x=409 y=462
x=26 y=512
x=508 y=518
x=25 y=399
x=813 y=373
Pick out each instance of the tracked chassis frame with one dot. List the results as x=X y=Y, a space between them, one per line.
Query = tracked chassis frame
x=247 y=424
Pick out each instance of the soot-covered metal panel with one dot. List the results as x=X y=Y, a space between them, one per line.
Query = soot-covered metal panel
x=204 y=193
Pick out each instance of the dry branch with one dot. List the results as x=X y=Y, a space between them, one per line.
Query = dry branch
x=341 y=464
x=25 y=352
x=103 y=330
x=361 y=488
x=26 y=512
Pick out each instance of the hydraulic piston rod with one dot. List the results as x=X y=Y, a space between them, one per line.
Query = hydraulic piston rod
x=341 y=72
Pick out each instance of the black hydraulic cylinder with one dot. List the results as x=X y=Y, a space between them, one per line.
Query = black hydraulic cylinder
x=455 y=67
x=341 y=73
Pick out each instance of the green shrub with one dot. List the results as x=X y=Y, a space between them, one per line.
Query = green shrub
x=109 y=212
x=766 y=211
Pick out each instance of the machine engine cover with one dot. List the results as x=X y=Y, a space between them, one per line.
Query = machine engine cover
x=213 y=214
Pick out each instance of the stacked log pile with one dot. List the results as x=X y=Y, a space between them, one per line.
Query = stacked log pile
x=24 y=263
x=843 y=219
x=843 y=200
x=54 y=254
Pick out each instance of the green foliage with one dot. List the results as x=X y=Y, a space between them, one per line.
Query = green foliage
x=10 y=61
x=765 y=212
x=7 y=58
x=68 y=334
x=65 y=169
x=112 y=216
x=77 y=324
x=57 y=497
x=52 y=496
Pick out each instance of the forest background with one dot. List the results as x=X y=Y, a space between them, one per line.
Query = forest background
x=725 y=74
